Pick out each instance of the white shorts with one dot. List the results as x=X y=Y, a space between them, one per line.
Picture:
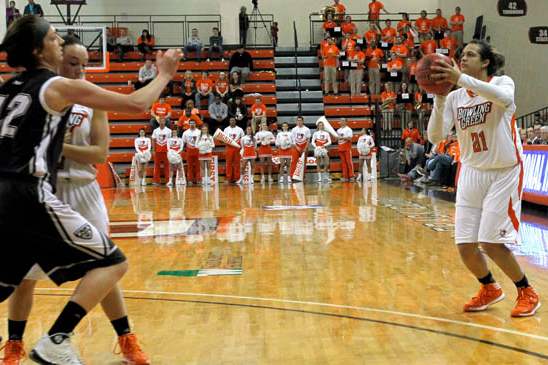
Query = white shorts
x=86 y=199
x=488 y=205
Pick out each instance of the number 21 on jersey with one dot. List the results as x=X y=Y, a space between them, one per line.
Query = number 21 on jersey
x=479 y=144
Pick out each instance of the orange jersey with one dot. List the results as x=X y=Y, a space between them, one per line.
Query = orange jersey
x=439 y=23
x=414 y=134
x=394 y=65
x=330 y=56
x=348 y=28
x=258 y=109
x=221 y=85
x=385 y=95
x=375 y=10
x=457 y=19
x=203 y=85
x=388 y=34
x=423 y=25
x=400 y=50
x=371 y=35
x=348 y=44
x=374 y=56
x=161 y=110
x=449 y=43
x=357 y=56
x=428 y=46
x=329 y=25
x=402 y=24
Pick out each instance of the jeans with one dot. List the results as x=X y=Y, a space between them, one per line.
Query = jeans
x=194 y=48
x=210 y=99
x=438 y=165
x=374 y=81
x=244 y=71
x=215 y=49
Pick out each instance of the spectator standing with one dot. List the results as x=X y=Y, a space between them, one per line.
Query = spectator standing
x=243 y=20
x=274 y=33
x=329 y=24
x=146 y=43
x=403 y=23
x=400 y=49
x=457 y=26
x=439 y=26
x=374 y=56
x=188 y=86
x=375 y=8
x=372 y=35
x=388 y=98
x=159 y=110
x=204 y=87
x=12 y=13
x=215 y=45
x=33 y=9
x=238 y=111
x=235 y=86
x=147 y=73
x=221 y=87
x=394 y=67
x=449 y=45
x=388 y=34
x=423 y=25
x=428 y=45
x=330 y=63
x=218 y=112
x=233 y=153
x=258 y=114
x=242 y=62
x=356 y=74
x=344 y=140
x=340 y=10
x=194 y=44
x=348 y=27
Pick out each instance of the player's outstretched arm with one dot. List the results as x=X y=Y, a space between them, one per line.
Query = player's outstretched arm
x=62 y=93
x=97 y=151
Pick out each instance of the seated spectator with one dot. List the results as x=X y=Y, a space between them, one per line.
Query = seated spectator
x=439 y=166
x=439 y=26
x=538 y=138
x=188 y=114
x=411 y=132
x=235 y=89
x=274 y=33
x=218 y=113
x=423 y=25
x=530 y=135
x=428 y=45
x=388 y=34
x=404 y=24
x=449 y=45
x=160 y=110
x=242 y=62
x=413 y=154
x=221 y=87
x=124 y=44
x=215 y=45
x=544 y=133
x=372 y=34
x=146 y=43
x=457 y=26
x=238 y=111
x=188 y=86
x=258 y=114
x=33 y=9
x=523 y=136
x=147 y=73
x=348 y=27
x=204 y=88
x=194 y=44
x=12 y=13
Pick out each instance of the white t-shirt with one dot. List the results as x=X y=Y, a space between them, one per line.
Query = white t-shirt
x=265 y=138
x=206 y=144
x=175 y=144
x=483 y=114
x=300 y=134
x=365 y=142
x=190 y=137
x=80 y=125
x=248 y=141
x=284 y=140
x=142 y=144
x=160 y=137
x=235 y=133
x=321 y=139
x=345 y=132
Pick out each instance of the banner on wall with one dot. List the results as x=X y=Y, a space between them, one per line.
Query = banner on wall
x=512 y=7
x=535 y=180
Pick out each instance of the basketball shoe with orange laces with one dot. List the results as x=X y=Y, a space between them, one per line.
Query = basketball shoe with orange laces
x=488 y=294
x=131 y=351
x=527 y=303
x=14 y=352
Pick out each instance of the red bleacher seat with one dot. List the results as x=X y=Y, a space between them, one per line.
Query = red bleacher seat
x=344 y=111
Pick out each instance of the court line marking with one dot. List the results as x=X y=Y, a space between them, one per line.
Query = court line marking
x=330 y=305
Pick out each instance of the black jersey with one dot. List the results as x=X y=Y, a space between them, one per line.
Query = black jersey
x=31 y=135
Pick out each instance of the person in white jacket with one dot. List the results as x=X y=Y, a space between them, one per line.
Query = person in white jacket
x=143 y=147
x=365 y=144
x=490 y=183
x=284 y=143
x=320 y=141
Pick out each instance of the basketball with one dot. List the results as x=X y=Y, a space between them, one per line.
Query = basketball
x=423 y=73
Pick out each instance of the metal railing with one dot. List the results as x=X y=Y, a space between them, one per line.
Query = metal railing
x=360 y=19
x=530 y=119
x=259 y=30
x=389 y=125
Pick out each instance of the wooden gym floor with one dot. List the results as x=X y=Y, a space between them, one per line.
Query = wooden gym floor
x=365 y=275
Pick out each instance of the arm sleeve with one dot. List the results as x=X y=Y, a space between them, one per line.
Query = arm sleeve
x=441 y=120
x=501 y=93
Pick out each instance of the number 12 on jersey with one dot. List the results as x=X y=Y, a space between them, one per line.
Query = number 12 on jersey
x=479 y=144
x=17 y=107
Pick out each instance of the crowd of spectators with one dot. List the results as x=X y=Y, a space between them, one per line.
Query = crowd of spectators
x=31 y=8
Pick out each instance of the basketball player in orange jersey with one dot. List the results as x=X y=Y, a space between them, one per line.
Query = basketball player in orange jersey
x=78 y=187
x=62 y=242
x=490 y=185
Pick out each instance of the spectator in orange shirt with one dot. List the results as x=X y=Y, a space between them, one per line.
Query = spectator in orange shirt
x=188 y=114
x=356 y=75
x=408 y=40
x=204 y=87
x=221 y=87
x=348 y=44
x=439 y=26
x=388 y=33
x=388 y=98
x=330 y=63
x=394 y=67
x=449 y=44
x=329 y=24
x=457 y=26
x=411 y=71
x=188 y=86
x=348 y=27
x=428 y=45
x=160 y=110
x=375 y=8
x=400 y=49
x=340 y=10
x=374 y=56
x=258 y=114
x=372 y=34
x=146 y=43
x=404 y=22
x=412 y=132
x=423 y=25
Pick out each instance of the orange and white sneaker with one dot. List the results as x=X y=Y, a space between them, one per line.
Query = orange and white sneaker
x=527 y=303
x=14 y=353
x=488 y=295
x=131 y=351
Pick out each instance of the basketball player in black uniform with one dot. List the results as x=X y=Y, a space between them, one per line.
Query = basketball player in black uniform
x=37 y=227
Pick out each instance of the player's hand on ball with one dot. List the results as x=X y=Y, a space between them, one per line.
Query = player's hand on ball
x=445 y=72
x=168 y=62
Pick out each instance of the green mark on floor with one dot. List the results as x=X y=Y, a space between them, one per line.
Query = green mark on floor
x=201 y=272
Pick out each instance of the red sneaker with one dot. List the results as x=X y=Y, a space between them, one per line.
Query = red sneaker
x=14 y=352
x=527 y=303
x=130 y=349
x=488 y=294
